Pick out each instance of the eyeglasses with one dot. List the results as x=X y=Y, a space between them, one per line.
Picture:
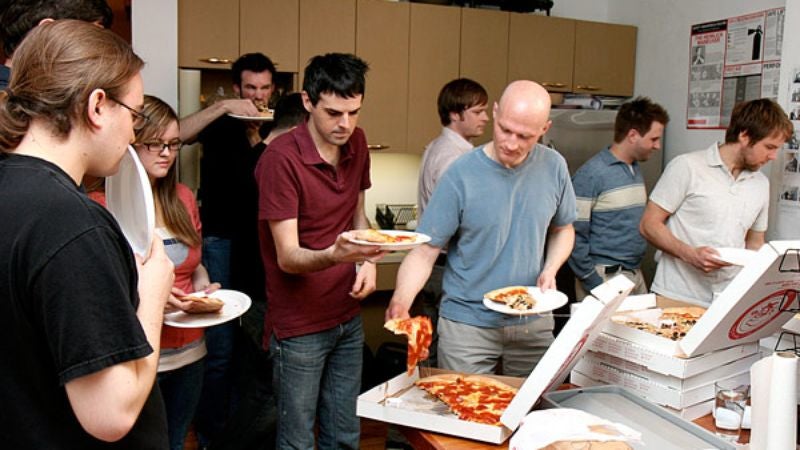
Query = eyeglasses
x=158 y=147
x=139 y=118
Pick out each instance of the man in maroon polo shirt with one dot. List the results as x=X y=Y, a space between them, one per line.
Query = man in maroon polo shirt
x=311 y=193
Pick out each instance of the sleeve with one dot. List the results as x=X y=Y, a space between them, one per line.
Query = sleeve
x=671 y=188
x=278 y=187
x=441 y=218
x=585 y=198
x=761 y=222
x=366 y=181
x=88 y=313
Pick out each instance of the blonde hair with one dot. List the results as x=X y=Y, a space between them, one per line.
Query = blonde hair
x=55 y=70
x=176 y=216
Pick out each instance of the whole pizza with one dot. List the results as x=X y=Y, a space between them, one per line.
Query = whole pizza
x=673 y=323
x=474 y=398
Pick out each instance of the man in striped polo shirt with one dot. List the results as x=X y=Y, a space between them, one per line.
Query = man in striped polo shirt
x=611 y=197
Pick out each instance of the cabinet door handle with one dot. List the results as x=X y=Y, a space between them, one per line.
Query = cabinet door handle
x=215 y=60
x=553 y=84
x=377 y=146
x=587 y=87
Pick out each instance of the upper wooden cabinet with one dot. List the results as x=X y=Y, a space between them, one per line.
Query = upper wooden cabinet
x=213 y=34
x=270 y=27
x=541 y=49
x=432 y=61
x=382 y=41
x=208 y=30
x=325 y=26
x=484 y=53
x=605 y=58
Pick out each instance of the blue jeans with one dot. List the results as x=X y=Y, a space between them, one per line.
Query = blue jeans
x=180 y=389
x=319 y=375
x=214 y=407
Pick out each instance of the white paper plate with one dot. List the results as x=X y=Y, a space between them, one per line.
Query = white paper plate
x=545 y=302
x=129 y=198
x=419 y=240
x=255 y=118
x=236 y=303
x=736 y=256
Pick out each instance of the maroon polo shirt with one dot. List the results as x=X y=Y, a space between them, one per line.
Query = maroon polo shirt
x=294 y=182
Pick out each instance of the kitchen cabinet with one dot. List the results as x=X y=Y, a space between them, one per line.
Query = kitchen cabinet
x=325 y=26
x=270 y=27
x=433 y=58
x=382 y=30
x=208 y=31
x=212 y=34
x=605 y=58
x=484 y=53
x=541 y=49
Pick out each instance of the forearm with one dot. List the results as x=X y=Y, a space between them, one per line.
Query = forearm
x=660 y=237
x=754 y=240
x=559 y=246
x=200 y=278
x=192 y=125
x=412 y=275
x=303 y=260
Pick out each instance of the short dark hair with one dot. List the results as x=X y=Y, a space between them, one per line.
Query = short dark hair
x=638 y=114
x=341 y=74
x=759 y=119
x=21 y=16
x=459 y=95
x=289 y=111
x=254 y=62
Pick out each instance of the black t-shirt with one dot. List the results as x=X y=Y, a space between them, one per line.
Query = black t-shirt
x=228 y=193
x=68 y=304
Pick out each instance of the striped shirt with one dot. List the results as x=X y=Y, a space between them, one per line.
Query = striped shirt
x=611 y=197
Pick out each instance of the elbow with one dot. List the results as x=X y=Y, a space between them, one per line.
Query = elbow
x=113 y=427
x=286 y=266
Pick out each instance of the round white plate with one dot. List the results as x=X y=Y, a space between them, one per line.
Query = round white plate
x=129 y=198
x=735 y=256
x=255 y=118
x=419 y=240
x=545 y=302
x=236 y=303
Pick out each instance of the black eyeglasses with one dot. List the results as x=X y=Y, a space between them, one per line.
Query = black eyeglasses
x=139 y=118
x=158 y=147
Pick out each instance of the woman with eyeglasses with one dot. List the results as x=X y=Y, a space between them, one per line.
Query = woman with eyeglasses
x=180 y=365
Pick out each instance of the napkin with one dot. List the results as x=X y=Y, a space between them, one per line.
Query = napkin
x=544 y=427
x=773 y=396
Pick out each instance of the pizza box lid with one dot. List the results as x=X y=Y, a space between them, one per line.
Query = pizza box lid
x=565 y=351
x=753 y=305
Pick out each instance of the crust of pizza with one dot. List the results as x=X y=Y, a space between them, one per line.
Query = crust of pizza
x=684 y=311
x=498 y=295
x=490 y=382
x=202 y=305
x=371 y=235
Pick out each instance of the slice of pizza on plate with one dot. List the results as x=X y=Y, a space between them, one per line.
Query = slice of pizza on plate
x=419 y=332
x=515 y=297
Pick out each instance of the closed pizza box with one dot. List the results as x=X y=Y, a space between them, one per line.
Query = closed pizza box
x=689 y=413
x=649 y=390
x=399 y=401
x=747 y=310
x=668 y=364
x=592 y=359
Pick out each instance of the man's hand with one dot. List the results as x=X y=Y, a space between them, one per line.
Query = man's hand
x=705 y=259
x=156 y=274
x=365 y=281
x=240 y=107
x=343 y=250
x=396 y=310
x=546 y=280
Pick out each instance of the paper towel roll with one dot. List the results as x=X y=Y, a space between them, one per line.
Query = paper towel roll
x=773 y=398
x=189 y=83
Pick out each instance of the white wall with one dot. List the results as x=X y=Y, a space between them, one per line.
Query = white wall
x=155 y=39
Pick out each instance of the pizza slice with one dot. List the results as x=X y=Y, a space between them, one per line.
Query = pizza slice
x=419 y=332
x=515 y=297
x=202 y=305
x=473 y=398
x=375 y=236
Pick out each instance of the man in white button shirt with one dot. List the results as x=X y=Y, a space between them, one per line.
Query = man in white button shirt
x=462 y=111
x=714 y=198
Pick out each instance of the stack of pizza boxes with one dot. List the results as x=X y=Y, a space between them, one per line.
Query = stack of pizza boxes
x=679 y=374
x=401 y=402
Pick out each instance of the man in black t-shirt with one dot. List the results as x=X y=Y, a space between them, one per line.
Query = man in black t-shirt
x=80 y=318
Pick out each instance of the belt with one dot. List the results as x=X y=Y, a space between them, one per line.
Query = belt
x=616 y=268
x=441 y=260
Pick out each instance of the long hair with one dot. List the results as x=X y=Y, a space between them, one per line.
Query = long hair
x=56 y=68
x=176 y=217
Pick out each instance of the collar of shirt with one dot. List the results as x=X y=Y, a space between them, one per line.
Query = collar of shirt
x=462 y=144
x=308 y=149
x=610 y=159
x=714 y=159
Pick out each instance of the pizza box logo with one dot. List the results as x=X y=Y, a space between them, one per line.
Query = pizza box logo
x=761 y=314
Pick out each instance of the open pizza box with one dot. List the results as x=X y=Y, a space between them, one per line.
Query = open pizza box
x=400 y=402
x=753 y=306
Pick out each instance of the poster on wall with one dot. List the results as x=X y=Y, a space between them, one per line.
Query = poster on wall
x=730 y=61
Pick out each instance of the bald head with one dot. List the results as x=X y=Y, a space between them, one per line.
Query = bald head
x=521 y=117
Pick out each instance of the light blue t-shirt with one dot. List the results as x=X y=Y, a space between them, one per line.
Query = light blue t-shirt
x=494 y=221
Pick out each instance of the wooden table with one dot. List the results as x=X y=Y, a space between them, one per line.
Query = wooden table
x=426 y=440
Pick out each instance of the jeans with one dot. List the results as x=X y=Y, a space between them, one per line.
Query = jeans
x=180 y=389
x=214 y=407
x=319 y=374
